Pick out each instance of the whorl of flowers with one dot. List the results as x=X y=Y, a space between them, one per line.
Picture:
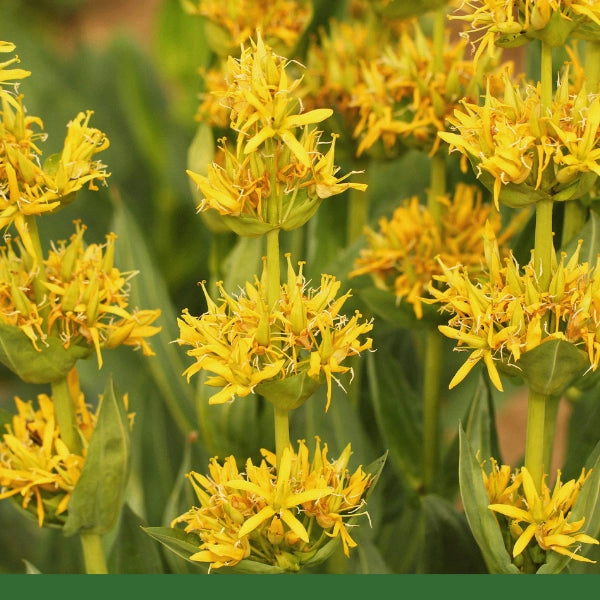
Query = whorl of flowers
x=78 y=297
x=274 y=516
x=405 y=253
x=504 y=313
x=28 y=187
x=515 y=22
x=276 y=153
x=397 y=97
x=243 y=343
x=543 y=519
x=231 y=23
x=524 y=154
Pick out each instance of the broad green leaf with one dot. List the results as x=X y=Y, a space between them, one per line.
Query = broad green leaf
x=480 y=424
x=132 y=551
x=242 y=263
x=370 y=559
x=454 y=550
x=96 y=501
x=395 y=404
x=590 y=237
x=176 y=540
x=291 y=392
x=552 y=366
x=51 y=363
x=148 y=290
x=482 y=522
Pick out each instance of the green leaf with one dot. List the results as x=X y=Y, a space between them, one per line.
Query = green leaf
x=176 y=540
x=552 y=366
x=148 y=290
x=590 y=235
x=96 y=501
x=480 y=427
x=482 y=522
x=132 y=551
x=291 y=392
x=395 y=403
x=242 y=263
x=51 y=363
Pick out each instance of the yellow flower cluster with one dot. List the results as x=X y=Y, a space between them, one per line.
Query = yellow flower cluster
x=270 y=159
x=505 y=313
x=233 y=22
x=78 y=296
x=392 y=93
x=543 y=516
x=511 y=142
x=278 y=517
x=244 y=343
x=27 y=187
x=34 y=460
x=402 y=255
x=513 y=22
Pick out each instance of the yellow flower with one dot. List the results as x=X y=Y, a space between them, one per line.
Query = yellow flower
x=9 y=75
x=403 y=98
x=36 y=464
x=274 y=516
x=515 y=22
x=547 y=517
x=79 y=297
x=244 y=344
x=26 y=187
x=276 y=153
x=499 y=315
x=230 y=23
x=402 y=255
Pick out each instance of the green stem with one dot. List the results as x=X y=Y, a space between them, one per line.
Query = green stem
x=282 y=419
x=534 y=445
x=431 y=401
x=546 y=79
x=439 y=38
x=592 y=66
x=550 y=417
x=437 y=186
x=358 y=213
x=65 y=415
x=543 y=243
x=93 y=554
x=282 y=432
x=39 y=290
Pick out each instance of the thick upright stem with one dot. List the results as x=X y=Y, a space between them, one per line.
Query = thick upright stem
x=431 y=401
x=437 y=186
x=282 y=432
x=282 y=425
x=534 y=445
x=358 y=213
x=64 y=411
x=550 y=417
x=93 y=554
x=543 y=242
